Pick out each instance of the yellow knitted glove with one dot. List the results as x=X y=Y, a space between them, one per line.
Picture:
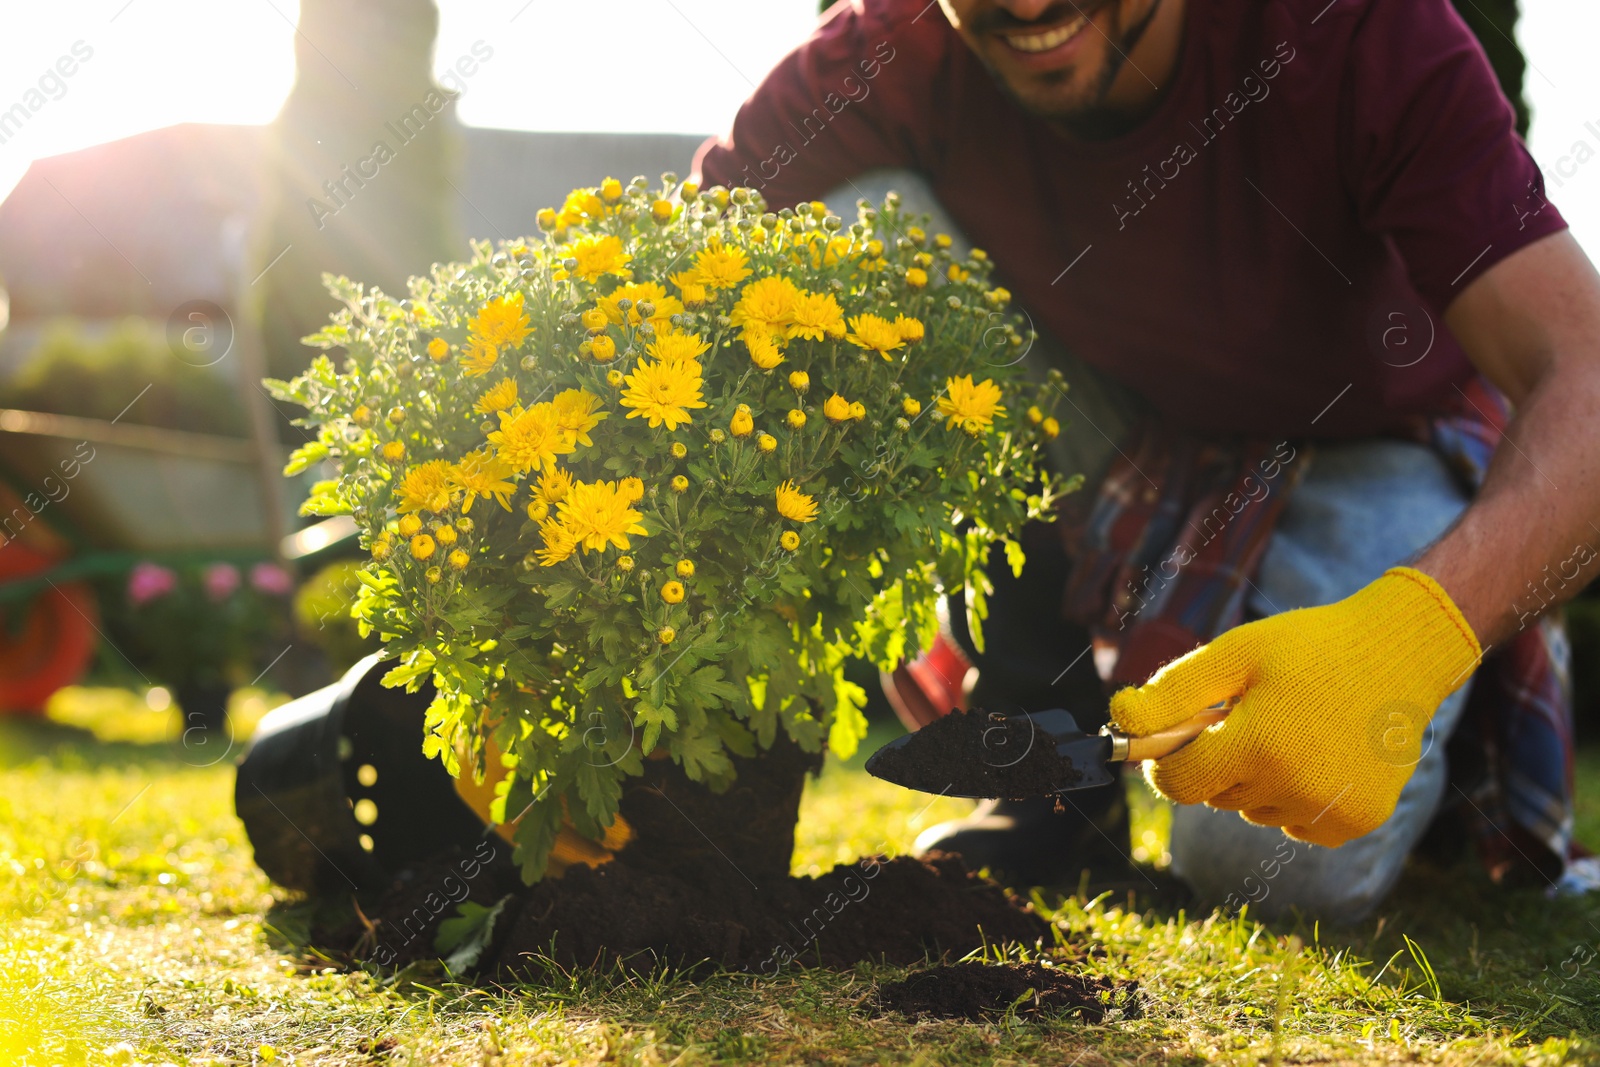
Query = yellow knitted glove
x=1331 y=706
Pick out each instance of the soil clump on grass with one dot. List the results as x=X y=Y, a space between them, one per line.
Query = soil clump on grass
x=705 y=882
x=974 y=990
x=978 y=753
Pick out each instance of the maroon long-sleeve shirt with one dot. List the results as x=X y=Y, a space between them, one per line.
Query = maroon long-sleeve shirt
x=1269 y=253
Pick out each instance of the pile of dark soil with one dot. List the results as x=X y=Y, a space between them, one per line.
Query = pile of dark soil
x=706 y=881
x=974 y=990
x=978 y=753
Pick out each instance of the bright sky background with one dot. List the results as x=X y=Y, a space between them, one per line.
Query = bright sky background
x=666 y=65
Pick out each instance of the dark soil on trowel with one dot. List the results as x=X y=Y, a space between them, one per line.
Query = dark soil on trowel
x=705 y=882
x=977 y=754
x=974 y=990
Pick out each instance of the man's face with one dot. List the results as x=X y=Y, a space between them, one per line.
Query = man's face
x=1057 y=58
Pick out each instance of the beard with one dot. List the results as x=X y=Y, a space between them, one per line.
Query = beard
x=1082 y=112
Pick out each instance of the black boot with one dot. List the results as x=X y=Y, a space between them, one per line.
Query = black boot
x=1035 y=661
x=1037 y=842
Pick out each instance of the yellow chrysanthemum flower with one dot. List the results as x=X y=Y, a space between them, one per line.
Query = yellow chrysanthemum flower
x=458 y=560
x=916 y=277
x=766 y=442
x=631 y=489
x=577 y=412
x=972 y=407
x=425 y=487
x=690 y=287
x=597 y=255
x=393 y=451
x=911 y=406
x=875 y=334
x=501 y=322
x=531 y=440
x=789 y=540
x=597 y=515
x=602 y=349
x=582 y=205
x=1035 y=416
x=741 y=425
x=661 y=211
x=663 y=392
x=554 y=484
x=666 y=305
x=482 y=474
x=766 y=305
x=422 y=546
x=498 y=397
x=593 y=319
x=611 y=190
x=819 y=250
x=546 y=218
x=718 y=266
x=796 y=418
x=957 y=273
x=679 y=484
x=673 y=347
x=799 y=381
x=672 y=592
x=666 y=635
x=795 y=505
x=438 y=350
x=836 y=408
x=764 y=350
x=684 y=568
x=559 y=543
x=445 y=535
x=817 y=315
x=911 y=330
x=409 y=524
x=1051 y=428
x=478 y=358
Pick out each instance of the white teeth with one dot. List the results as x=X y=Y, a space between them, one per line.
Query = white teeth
x=1043 y=42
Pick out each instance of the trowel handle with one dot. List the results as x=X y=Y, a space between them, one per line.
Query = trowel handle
x=1162 y=742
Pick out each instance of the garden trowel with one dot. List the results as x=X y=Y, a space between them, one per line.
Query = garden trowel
x=986 y=754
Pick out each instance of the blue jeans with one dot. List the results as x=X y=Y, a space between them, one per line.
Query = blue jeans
x=1361 y=508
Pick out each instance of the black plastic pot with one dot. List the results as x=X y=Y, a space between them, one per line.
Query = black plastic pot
x=334 y=791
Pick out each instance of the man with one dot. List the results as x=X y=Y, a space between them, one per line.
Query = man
x=1301 y=261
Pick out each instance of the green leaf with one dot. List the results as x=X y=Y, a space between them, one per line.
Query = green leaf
x=849 y=726
x=468 y=934
x=702 y=756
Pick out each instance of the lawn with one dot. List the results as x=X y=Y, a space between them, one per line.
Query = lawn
x=137 y=930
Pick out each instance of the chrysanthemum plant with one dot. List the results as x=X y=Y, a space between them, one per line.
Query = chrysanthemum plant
x=644 y=484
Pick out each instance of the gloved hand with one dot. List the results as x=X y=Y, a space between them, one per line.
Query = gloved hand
x=1331 y=706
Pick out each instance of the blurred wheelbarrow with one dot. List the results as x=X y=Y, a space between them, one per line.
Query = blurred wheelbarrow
x=81 y=498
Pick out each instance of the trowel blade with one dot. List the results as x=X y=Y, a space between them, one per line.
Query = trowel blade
x=1015 y=756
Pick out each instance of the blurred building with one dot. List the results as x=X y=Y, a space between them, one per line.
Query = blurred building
x=146 y=224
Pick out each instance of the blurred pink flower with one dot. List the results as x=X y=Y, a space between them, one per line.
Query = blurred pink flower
x=149 y=581
x=271 y=579
x=220 y=580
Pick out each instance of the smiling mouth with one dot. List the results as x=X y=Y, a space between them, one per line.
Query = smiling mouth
x=1048 y=39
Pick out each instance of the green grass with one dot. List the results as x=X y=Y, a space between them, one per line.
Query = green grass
x=137 y=930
